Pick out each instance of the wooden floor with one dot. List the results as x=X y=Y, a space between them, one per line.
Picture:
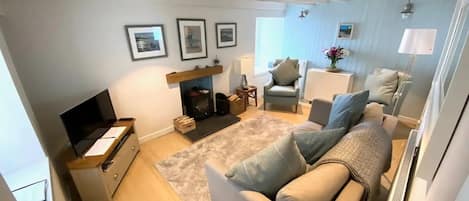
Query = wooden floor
x=144 y=183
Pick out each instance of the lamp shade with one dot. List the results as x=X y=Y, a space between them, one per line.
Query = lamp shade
x=418 y=41
x=246 y=64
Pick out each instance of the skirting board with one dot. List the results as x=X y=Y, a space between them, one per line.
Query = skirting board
x=409 y=121
x=155 y=134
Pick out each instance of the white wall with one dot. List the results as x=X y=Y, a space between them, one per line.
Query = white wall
x=454 y=167
x=66 y=51
x=19 y=145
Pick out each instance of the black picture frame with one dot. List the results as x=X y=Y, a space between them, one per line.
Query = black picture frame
x=185 y=55
x=134 y=53
x=220 y=43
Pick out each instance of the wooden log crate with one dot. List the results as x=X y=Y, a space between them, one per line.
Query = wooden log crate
x=184 y=124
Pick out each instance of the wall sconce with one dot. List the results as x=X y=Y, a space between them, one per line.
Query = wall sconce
x=303 y=13
x=407 y=10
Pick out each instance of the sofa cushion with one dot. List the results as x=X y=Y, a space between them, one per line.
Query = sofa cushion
x=270 y=169
x=341 y=120
x=353 y=191
x=306 y=127
x=354 y=103
x=313 y=145
x=286 y=72
x=285 y=91
x=320 y=184
x=382 y=84
x=373 y=112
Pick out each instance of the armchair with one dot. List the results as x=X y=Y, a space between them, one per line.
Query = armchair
x=282 y=95
x=383 y=88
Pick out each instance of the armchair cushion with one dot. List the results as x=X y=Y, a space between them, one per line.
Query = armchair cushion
x=270 y=169
x=286 y=72
x=382 y=84
x=313 y=145
x=285 y=91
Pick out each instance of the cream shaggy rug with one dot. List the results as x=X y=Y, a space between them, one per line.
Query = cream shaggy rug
x=185 y=170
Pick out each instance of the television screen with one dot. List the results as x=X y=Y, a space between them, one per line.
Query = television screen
x=88 y=121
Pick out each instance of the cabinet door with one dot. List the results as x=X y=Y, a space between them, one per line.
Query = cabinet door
x=324 y=85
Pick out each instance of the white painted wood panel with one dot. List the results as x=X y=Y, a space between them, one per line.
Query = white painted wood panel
x=324 y=85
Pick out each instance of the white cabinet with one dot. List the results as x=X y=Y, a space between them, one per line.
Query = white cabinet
x=324 y=85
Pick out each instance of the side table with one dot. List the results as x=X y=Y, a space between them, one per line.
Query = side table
x=245 y=94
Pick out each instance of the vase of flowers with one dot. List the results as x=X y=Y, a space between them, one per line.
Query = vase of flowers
x=335 y=54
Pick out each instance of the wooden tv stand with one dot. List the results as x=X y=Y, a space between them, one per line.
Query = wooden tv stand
x=98 y=177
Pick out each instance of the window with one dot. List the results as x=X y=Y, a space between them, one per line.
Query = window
x=269 y=42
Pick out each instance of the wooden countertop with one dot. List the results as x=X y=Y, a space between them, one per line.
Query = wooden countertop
x=95 y=161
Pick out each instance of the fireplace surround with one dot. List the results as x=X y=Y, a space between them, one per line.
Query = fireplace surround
x=197 y=98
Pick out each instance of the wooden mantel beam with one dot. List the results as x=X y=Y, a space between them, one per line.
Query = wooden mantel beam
x=177 y=77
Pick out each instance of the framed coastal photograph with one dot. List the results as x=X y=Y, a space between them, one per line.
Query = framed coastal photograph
x=146 y=41
x=226 y=34
x=192 y=38
x=345 y=31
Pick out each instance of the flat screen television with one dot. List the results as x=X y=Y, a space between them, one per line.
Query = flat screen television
x=88 y=121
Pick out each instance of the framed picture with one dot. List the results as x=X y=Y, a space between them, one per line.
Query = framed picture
x=192 y=38
x=226 y=34
x=345 y=31
x=146 y=41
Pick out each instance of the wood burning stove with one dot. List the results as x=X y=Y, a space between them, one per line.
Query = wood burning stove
x=197 y=98
x=199 y=103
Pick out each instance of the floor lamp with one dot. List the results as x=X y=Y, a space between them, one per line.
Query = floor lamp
x=414 y=42
x=417 y=42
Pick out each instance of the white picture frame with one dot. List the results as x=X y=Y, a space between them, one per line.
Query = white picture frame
x=345 y=31
x=227 y=35
x=146 y=41
x=192 y=38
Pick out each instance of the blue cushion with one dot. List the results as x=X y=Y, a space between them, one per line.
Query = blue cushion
x=341 y=120
x=353 y=103
x=313 y=145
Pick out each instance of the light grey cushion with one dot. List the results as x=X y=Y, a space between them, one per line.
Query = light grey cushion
x=270 y=169
x=278 y=61
x=382 y=84
x=354 y=103
x=313 y=145
x=373 y=112
x=285 y=73
x=307 y=127
x=286 y=91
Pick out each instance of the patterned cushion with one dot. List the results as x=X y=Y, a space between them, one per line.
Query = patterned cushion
x=270 y=169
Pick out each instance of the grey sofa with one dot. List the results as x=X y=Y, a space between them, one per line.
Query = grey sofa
x=282 y=95
x=326 y=182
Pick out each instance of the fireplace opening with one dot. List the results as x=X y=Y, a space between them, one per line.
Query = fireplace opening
x=197 y=98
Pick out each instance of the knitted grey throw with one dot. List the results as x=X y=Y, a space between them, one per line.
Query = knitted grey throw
x=366 y=151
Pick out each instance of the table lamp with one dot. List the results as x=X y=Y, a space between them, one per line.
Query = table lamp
x=246 y=68
x=417 y=42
